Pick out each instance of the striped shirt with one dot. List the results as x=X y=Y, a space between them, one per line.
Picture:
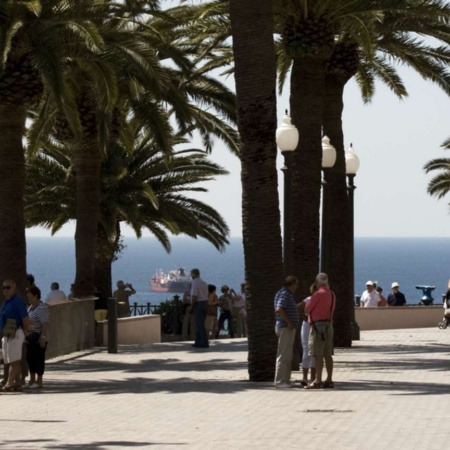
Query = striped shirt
x=38 y=316
x=286 y=300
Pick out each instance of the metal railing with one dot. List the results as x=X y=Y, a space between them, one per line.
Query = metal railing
x=171 y=312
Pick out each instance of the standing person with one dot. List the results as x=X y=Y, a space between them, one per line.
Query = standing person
x=211 y=313
x=37 y=339
x=225 y=304
x=122 y=295
x=286 y=323
x=308 y=362
x=55 y=294
x=370 y=297
x=199 y=297
x=188 y=327
x=396 y=298
x=321 y=311
x=14 y=322
x=382 y=302
x=239 y=311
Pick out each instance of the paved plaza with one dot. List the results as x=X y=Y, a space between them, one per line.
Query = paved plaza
x=392 y=392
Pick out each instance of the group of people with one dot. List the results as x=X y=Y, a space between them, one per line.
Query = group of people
x=202 y=305
x=372 y=297
x=25 y=335
x=317 y=312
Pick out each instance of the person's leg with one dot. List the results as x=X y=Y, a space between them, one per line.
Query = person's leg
x=319 y=369
x=329 y=367
x=31 y=364
x=186 y=320
x=230 y=324
x=24 y=364
x=284 y=355
x=201 y=338
x=220 y=324
x=40 y=364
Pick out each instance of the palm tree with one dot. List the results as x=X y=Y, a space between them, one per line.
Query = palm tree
x=394 y=42
x=131 y=57
x=38 y=38
x=254 y=59
x=139 y=187
x=439 y=185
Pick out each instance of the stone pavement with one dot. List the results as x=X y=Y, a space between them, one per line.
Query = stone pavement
x=392 y=392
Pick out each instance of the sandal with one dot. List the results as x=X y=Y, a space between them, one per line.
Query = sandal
x=328 y=385
x=314 y=385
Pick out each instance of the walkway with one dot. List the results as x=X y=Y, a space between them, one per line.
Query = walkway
x=392 y=392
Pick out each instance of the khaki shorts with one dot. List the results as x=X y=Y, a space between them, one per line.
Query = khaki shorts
x=319 y=347
x=12 y=347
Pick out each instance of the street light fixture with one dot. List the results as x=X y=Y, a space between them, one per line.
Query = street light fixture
x=351 y=168
x=287 y=138
x=328 y=161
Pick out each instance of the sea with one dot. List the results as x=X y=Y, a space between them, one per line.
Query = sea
x=407 y=261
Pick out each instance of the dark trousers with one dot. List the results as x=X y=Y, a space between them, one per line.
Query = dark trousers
x=36 y=358
x=201 y=338
x=225 y=315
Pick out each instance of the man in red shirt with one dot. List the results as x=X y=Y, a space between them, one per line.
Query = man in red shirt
x=320 y=310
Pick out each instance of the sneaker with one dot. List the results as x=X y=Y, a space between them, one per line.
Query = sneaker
x=35 y=386
x=283 y=386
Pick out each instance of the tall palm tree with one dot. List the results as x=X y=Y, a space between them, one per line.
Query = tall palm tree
x=139 y=187
x=38 y=37
x=255 y=74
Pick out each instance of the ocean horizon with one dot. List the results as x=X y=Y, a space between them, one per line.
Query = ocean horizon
x=408 y=261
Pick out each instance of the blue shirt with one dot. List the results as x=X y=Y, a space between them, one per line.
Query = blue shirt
x=13 y=308
x=286 y=300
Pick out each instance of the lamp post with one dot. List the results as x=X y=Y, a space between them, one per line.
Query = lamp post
x=351 y=168
x=328 y=160
x=287 y=140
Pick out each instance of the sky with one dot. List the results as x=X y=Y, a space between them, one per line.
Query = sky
x=394 y=139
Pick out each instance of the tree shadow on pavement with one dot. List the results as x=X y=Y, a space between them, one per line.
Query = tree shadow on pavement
x=397 y=388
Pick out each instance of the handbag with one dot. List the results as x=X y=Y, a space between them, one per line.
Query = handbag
x=10 y=328
x=321 y=328
x=33 y=337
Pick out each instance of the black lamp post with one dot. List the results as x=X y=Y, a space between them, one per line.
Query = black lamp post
x=287 y=140
x=328 y=160
x=351 y=167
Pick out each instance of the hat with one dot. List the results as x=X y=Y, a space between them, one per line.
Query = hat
x=395 y=284
x=369 y=283
x=224 y=288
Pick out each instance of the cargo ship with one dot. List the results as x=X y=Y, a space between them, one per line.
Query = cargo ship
x=174 y=281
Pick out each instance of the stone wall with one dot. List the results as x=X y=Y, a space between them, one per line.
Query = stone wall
x=398 y=317
x=72 y=327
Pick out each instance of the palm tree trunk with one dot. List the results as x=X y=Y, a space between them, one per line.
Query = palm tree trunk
x=104 y=257
x=87 y=162
x=12 y=182
x=307 y=84
x=254 y=55
x=337 y=204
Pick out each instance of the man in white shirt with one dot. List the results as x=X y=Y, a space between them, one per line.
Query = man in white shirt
x=199 y=300
x=370 y=297
x=55 y=295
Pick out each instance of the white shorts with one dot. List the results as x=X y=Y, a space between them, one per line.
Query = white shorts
x=12 y=347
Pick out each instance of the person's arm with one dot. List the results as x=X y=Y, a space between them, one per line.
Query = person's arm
x=26 y=324
x=132 y=290
x=285 y=317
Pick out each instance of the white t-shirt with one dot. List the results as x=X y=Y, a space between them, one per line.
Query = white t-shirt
x=55 y=296
x=370 y=299
x=199 y=289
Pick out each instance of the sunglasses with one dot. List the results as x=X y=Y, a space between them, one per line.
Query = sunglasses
x=6 y=287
